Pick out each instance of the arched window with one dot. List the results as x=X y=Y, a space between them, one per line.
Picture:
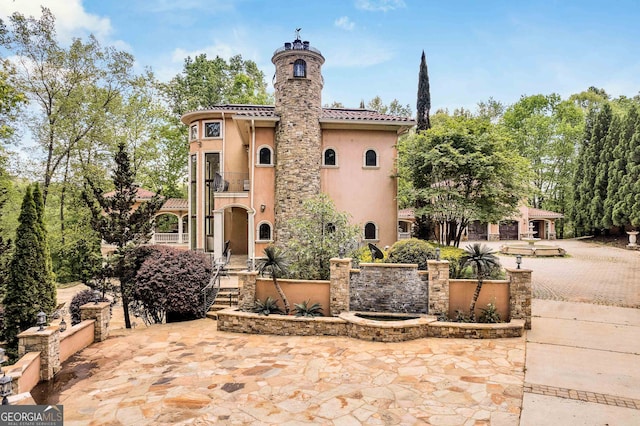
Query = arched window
x=371 y=158
x=370 y=231
x=299 y=68
x=265 y=156
x=329 y=157
x=264 y=232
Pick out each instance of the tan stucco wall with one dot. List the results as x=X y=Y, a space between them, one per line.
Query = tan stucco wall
x=76 y=338
x=461 y=293
x=296 y=292
x=368 y=194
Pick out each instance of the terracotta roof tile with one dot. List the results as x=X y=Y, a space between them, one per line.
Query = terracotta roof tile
x=533 y=213
x=361 y=115
x=176 y=204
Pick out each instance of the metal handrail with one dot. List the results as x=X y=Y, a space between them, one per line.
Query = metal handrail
x=215 y=278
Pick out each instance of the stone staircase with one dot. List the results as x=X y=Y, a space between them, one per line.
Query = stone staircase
x=227 y=297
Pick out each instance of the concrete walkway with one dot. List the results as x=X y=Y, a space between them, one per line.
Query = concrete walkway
x=582 y=366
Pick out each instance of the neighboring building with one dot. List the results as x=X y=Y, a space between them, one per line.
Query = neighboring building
x=251 y=167
x=512 y=228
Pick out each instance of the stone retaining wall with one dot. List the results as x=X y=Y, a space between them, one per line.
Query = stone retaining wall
x=347 y=324
x=389 y=287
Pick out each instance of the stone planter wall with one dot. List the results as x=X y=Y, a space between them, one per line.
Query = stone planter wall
x=456 y=330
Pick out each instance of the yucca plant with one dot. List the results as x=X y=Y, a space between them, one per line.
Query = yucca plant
x=266 y=307
x=482 y=259
x=276 y=263
x=304 y=309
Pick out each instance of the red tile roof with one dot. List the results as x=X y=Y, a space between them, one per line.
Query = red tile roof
x=348 y=114
x=176 y=204
x=543 y=214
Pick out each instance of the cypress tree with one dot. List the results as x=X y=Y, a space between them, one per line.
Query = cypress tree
x=424 y=96
x=578 y=212
x=47 y=287
x=27 y=270
x=118 y=223
x=614 y=206
x=601 y=207
x=595 y=191
x=630 y=190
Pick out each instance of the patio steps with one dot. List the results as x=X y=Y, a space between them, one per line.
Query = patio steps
x=226 y=298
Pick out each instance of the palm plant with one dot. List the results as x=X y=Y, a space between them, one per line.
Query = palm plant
x=306 y=309
x=482 y=259
x=275 y=263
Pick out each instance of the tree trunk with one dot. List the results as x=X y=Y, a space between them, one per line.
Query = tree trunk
x=285 y=302
x=125 y=308
x=474 y=300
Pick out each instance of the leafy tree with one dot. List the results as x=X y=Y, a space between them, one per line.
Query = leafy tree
x=482 y=259
x=317 y=235
x=206 y=82
x=5 y=243
x=73 y=88
x=461 y=169
x=11 y=100
x=424 y=96
x=394 y=108
x=118 y=222
x=546 y=130
x=275 y=263
x=29 y=274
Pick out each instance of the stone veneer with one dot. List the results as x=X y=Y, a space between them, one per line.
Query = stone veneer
x=298 y=145
x=389 y=287
x=101 y=313
x=458 y=330
x=438 y=287
x=340 y=277
x=520 y=295
x=47 y=342
x=247 y=295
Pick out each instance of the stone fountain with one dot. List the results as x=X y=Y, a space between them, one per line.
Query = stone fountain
x=531 y=248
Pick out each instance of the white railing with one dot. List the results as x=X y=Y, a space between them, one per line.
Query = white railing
x=169 y=238
x=404 y=235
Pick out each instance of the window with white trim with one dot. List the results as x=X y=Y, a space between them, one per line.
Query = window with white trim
x=265 y=156
x=193 y=132
x=329 y=157
x=370 y=231
x=264 y=231
x=213 y=129
x=370 y=158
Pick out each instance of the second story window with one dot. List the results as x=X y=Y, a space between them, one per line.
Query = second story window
x=299 y=68
x=212 y=129
x=193 y=132
x=329 y=157
x=265 y=156
x=371 y=158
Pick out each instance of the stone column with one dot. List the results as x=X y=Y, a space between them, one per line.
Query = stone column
x=340 y=279
x=438 y=287
x=101 y=313
x=47 y=342
x=520 y=295
x=247 y=296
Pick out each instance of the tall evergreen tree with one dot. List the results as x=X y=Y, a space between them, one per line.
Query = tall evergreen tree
x=622 y=173
x=27 y=270
x=630 y=191
x=5 y=243
x=118 y=222
x=598 y=203
x=46 y=286
x=424 y=96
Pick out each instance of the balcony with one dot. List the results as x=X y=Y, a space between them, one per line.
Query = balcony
x=169 y=238
x=231 y=182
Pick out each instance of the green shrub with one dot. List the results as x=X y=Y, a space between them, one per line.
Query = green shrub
x=412 y=250
x=169 y=284
x=81 y=298
x=304 y=309
x=453 y=255
x=269 y=306
x=490 y=314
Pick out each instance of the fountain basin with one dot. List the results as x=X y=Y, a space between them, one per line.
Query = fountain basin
x=538 y=250
x=386 y=326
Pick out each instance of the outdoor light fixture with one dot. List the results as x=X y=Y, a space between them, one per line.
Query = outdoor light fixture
x=518 y=260
x=5 y=382
x=63 y=326
x=96 y=297
x=41 y=320
x=438 y=254
x=341 y=252
x=262 y=208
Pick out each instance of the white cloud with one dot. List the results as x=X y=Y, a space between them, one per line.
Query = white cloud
x=345 y=23
x=360 y=54
x=71 y=18
x=380 y=5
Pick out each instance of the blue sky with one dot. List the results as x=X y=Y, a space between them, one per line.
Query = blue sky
x=475 y=49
